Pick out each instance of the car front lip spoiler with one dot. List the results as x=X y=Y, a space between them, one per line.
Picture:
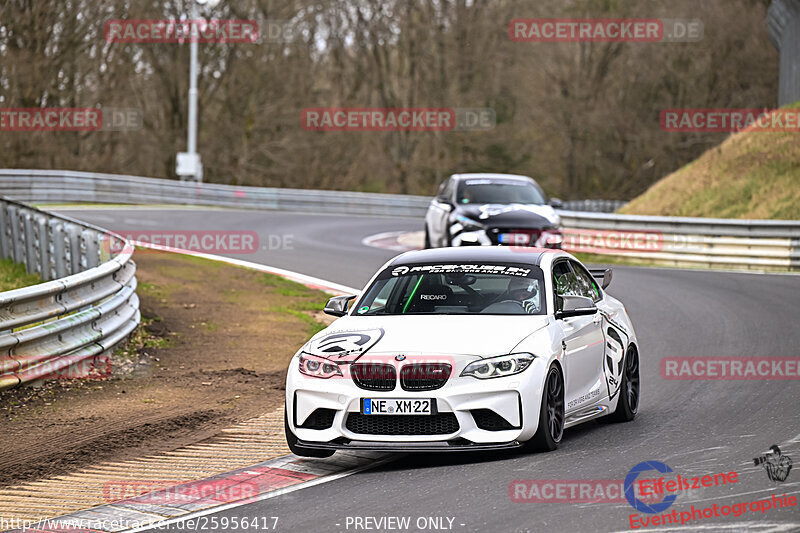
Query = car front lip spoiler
x=407 y=447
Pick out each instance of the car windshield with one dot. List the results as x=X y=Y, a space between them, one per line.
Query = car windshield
x=498 y=192
x=468 y=289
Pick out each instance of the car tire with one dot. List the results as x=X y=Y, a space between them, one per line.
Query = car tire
x=551 y=414
x=291 y=440
x=427 y=245
x=629 y=389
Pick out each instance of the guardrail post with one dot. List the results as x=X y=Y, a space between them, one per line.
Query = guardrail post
x=104 y=245
x=17 y=239
x=59 y=251
x=44 y=247
x=5 y=246
x=74 y=248
x=89 y=238
x=30 y=243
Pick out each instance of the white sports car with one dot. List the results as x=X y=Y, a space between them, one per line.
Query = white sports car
x=465 y=349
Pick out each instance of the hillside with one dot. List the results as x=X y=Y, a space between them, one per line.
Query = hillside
x=752 y=174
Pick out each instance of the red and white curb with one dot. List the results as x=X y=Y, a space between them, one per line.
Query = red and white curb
x=188 y=501
x=399 y=241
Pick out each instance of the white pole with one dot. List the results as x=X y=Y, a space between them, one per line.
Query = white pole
x=192 y=140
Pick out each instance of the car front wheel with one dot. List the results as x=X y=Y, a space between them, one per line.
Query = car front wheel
x=551 y=414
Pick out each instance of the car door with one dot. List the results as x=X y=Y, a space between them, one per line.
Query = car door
x=582 y=341
x=614 y=346
x=440 y=214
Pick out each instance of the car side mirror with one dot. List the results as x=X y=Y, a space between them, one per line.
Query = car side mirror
x=337 y=306
x=603 y=275
x=556 y=203
x=575 y=306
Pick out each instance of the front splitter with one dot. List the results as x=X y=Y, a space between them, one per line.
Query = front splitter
x=408 y=447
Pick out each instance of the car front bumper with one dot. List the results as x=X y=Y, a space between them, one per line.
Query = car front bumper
x=520 y=237
x=463 y=401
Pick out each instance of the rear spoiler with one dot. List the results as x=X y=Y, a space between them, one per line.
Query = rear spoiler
x=603 y=275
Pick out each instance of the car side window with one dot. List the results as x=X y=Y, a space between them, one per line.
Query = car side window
x=449 y=189
x=567 y=281
x=561 y=281
x=441 y=194
x=446 y=191
x=585 y=282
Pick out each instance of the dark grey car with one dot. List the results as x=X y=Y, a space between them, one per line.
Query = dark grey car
x=490 y=209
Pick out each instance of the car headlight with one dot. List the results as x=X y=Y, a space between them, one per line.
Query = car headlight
x=497 y=367
x=468 y=223
x=318 y=367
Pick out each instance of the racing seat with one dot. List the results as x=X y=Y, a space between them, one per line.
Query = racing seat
x=430 y=294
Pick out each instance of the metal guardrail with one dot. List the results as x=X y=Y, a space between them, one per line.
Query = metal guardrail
x=684 y=241
x=86 y=305
x=69 y=186
x=679 y=241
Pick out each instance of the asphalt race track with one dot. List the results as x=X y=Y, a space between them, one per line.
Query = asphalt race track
x=696 y=427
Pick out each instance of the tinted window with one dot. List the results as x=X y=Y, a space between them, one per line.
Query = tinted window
x=446 y=192
x=585 y=281
x=440 y=194
x=562 y=280
x=497 y=289
x=498 y=192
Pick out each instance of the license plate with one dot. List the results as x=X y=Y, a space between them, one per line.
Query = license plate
x=514 y=238
x=394 y=406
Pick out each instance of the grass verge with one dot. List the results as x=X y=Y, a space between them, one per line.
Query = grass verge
x=14 y=276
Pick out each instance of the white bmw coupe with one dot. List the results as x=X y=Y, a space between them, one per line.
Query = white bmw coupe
x=458 y=349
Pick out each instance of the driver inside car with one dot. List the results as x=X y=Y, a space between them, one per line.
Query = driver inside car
x=525 y=291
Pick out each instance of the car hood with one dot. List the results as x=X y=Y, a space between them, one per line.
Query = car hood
x=512 y=215
x=352 y=337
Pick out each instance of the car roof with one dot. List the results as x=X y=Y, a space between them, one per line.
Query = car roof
x=491 y=176
x=485 y=254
